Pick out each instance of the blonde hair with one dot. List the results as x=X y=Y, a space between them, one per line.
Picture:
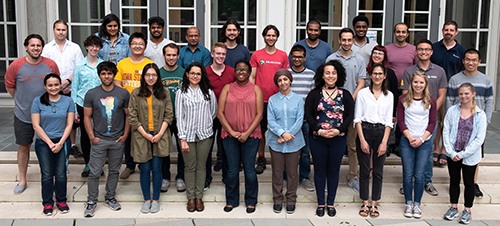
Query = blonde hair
x=426 y=99
x=472 y=89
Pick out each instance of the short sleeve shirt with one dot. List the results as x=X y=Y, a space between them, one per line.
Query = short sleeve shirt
x=154 y=51
x=218 y=82
x=53 y=116
x=315 y=56
x=129 y=73
x=449 y=59
x=172 y=80
x=435 y=74
x=400 y=58
x=267 y=64
x=240 y=52
x=355 y=69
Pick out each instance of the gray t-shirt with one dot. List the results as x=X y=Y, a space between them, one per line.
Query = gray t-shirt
x=355 y=69
x=107 y=111
x=435 y=74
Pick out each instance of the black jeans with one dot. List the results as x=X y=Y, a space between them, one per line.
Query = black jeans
x=454 y=170
x=373 y=133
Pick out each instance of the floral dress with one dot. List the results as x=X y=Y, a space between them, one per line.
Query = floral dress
x=331 y=112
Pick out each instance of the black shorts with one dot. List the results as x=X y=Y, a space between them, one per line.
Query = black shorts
x=263 y=122
x=24 y=132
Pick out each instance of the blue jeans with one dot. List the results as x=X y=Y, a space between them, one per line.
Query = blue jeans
x=414 y=162
x=305 y=157
x=244 y=152
x=151 y=166
x=428 y=168
x=53 y=165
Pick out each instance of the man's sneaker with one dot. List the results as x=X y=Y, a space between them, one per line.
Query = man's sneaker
x=261 y=165
x=277 y=208
x=306 y=184
x=63 y=207
x=218 y=166
x=207 y=185
x=477 y=191
x=86 y=171
x=466 y=217
x=290 y=209
x=164 y=185
x=126 y=173
x=112 y=204
x=417 y=213
x=181 y=186
x=401 y=190
x=90 y=210
x=354 y=184
x=429 y=188
x=451 y=214
x=48 y=210
x=408 y=210
x=75 y=152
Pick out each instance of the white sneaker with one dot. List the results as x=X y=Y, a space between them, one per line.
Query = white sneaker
x=417 y=213
x=408 y=211
x=164 y=185
x=181 y=186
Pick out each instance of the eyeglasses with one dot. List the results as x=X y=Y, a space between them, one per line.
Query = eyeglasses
x=379 y=53
x=424 y=49
x=298 y=57
x=240 y=70
x=53 y=107
x=137 y=44
x=149 y=75
x=377 y=74
x=467 y=60
x=195 y=74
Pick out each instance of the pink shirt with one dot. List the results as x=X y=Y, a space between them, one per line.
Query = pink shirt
x=400 y=58
x=240 y=109
x=267 y=65
x=218 y=82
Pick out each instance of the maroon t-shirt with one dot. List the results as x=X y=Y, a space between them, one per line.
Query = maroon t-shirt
x=218 y=82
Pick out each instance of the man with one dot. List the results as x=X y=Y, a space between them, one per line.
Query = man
x=355 y=70
x=219 y=75
x=484 y=92
x=303 y=82
x=265 y=63
x=66 y=54
x=230 y=35
x=171 y=76
x=401 y=54
x=24 y=82
x=362 y=44
x=106 y=108
x=156 y=43
x=316 y=49
x=129 y=77
x=437 y=88
x=193 y=51
x=448 y=54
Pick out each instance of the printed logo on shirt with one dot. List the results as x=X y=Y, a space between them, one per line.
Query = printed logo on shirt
x=134 y=84
x=108 y=106
x=262 y=62
x=456 y=56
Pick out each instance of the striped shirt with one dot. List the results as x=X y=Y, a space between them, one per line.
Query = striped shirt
x=195 y=114
x=484 y=91
x=303 y=82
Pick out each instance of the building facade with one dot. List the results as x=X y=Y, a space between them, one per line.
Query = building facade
x=478 y=24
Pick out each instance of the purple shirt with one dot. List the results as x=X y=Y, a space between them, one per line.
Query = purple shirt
x=400 y=58
x=464 y=131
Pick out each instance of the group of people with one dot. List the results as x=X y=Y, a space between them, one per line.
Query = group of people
x=131 y=94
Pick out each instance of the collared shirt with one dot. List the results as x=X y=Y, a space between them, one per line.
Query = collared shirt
x=364 y=50
x=186 y=56
x=315 y=56
x=121 y=48
x=369 y=109
x=154 y=51
x=195 y=114
x=219 y=81
x=303 y=82
x=285 y=114
x=355 y=69
x=449 y=59
x=65 y=60
x=85 y=78
x=435 y=75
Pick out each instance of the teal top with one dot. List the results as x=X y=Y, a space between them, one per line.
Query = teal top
x=85 y=77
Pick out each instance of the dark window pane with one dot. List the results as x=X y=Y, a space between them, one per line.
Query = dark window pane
x=134 y=2
x=376 y=19
x=130 y=30
x=63 y=10
x=181 y=17
x=181 y=3
x=3 y=69
x=415 y=36
x=134 y=16
x=467 y=39
x=301 y=13
x=414 y=20
x=251 y=45
x=414 y=5
x=80 y=33
x=2 y=41
x=12 y=40
x=252 y=12
x=326 y=11
x=11 y=10
x=371 y=5
x=215 y=36
x=464 y=12
x=177 y=34
x=482 y=69
x=485 y=13
x=483 y=46
x=301 y=34
x=225 y=10
x=86 y=11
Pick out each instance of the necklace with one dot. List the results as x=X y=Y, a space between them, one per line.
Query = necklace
x=330 y=95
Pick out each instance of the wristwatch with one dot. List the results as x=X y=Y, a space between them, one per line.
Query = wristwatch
x=422 y=139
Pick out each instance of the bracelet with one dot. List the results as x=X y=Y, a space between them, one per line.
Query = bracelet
x=60 y=144
x=319 y=130
x=422 y=139
x=68 y=81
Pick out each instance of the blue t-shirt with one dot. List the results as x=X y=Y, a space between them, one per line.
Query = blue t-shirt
x=53 y=116
x=315 y=56
x=237 y=53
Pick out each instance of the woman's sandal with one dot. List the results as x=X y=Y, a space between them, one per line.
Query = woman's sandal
x=374 y=212
x=365 y=210
x=435 y=157
x=442 y=157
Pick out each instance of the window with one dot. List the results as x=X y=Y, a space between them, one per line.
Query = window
x=416 y=14
x=8 y=39
x=374 y=10
x=180 y=16
x=134 y=15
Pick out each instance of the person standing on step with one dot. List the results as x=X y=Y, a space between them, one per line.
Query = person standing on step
x=155 y=45
x=115 y=43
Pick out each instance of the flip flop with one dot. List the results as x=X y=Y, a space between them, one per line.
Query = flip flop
x=442 y=156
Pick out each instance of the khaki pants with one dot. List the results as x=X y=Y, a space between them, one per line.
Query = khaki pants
x=195 y=167
x=351 y=153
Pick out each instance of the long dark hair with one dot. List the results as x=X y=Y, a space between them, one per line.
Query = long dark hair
x=158 y=90
x=384 y=62
x=222 y=31
x=204 y=81
x=318 y=77
x=105 y=21
x=44 y=99
x=384 y=83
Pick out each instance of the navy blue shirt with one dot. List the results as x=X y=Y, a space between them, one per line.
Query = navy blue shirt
x=449 y=59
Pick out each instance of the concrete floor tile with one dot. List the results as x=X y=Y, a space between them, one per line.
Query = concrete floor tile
x=281 y=222
x=397 y=222
x=161 y=222
x=338 y=221
x=222 y=222
x=107 y=222
x=43 y=222
x=490 y=222
x=442 y=222
x=6 y=222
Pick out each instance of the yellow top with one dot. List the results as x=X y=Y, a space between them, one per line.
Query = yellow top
x=129 y=73
x=151 y=123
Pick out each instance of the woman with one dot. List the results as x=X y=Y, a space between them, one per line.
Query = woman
x=285 y=116
x=195 y=109
x=150 y=108
x=463 y=134
x=373 y=122
x=115 y=46
x=85 y=77
x=52 y=116
x=416 y=120
x=240 y=111
x=329 y=111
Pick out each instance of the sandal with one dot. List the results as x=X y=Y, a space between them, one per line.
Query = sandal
x=435 y=157
x=365 y=211
x=443 y=157
x=374 y=212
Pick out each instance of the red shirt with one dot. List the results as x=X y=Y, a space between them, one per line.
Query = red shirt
x=267 y=65
x=218 y=82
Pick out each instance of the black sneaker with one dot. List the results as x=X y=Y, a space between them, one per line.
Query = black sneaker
x=277 y=208
x=290 y=209
x=477 y=191
x=207 y=185
x=75 y=152
x=261 y=165
x=63 y=207
x=218 y=166
x=48 y=210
